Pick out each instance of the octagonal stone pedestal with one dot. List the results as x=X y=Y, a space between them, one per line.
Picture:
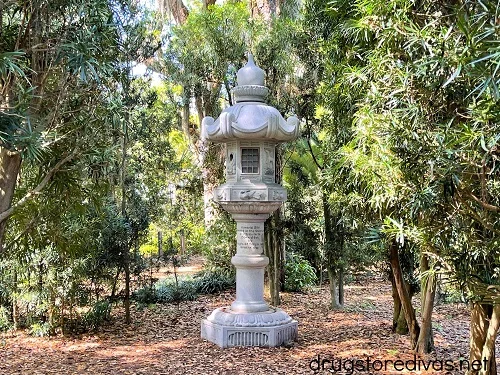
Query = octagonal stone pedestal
x=249 y=321
x=227 y=328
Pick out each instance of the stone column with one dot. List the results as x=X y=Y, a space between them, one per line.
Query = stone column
x=250 y=263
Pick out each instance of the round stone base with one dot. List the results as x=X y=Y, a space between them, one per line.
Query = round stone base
x=268 y=328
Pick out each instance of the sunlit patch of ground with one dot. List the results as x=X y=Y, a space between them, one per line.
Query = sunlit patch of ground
x=195 y=265
x=166 y=339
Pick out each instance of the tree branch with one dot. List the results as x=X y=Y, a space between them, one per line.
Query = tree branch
x=474 y=215
x=312 y=154
x=485 y=205
x=23 y=232
x=33 y=193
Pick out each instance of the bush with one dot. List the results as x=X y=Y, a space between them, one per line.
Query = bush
x=39 y=329
x=220 y=244
x=97 y=315
x=167 y=291
x=5 y=323
x=299 y=274
x=145 y=295
x=210 y=282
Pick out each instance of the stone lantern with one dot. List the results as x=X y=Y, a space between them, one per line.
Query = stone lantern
x=251 y=129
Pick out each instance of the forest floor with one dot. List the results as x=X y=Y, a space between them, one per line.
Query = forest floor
x=164 y=339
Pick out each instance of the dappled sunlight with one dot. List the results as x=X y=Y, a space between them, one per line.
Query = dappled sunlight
x=141 y=350
x=166 y=339
x=82 y=346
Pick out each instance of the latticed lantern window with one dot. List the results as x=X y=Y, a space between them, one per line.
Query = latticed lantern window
x=250 y=160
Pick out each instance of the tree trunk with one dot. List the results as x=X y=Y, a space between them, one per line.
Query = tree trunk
x=488 y=355
x=115 y=282
x=399 y=325
x=15 y=308
x=396 y=311
x=127 y=288
x=484 y=327
x=425 y=342
x=272 y=250
x=185 y=121
x=160 y=244
x=341 y=287
x=404 y=295
x=276 y=250
x=207 y=3
x=264 y=8
x=336 y=301
x=176 y=9
x=126 y=247
x=334 y=290
x=10 y=165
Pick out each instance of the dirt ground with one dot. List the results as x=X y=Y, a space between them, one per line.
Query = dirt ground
x=165 y=340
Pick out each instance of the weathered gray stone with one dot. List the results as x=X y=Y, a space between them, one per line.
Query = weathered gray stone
x=251 y=130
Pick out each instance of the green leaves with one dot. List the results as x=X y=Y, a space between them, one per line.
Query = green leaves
x=12 y=63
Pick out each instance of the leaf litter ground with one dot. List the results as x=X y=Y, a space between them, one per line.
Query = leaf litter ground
x=165 y=340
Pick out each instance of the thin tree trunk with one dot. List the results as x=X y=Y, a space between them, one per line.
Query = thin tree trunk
x=10 y=165
x=127 y=289
x=404 y=295
x=276 y=264
x=52 y=310
x=484 y=325
x=115 y=282
x=123 y=188
x=277 y=236
x=399 y=325
x=185 y=121
x=341 y=287
x=425 y=342
x=207 y=3
x=334 y=290
x=176 y=9
x=488 y=354
x=15 y=308
x=329 y=246
x=273 y=272
x=160 y=244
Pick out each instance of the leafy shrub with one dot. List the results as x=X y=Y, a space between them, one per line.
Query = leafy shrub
x=299 y=274
x=210 y=282
x=5 y=322
x=97 y=315
x=167 y=291
x=220 y=244
x=145 y=295
x=39 y=329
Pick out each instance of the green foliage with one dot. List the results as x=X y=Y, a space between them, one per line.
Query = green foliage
x=145 y=295
x=170 y=291
x=211 y=282
x=220 y=244
x=5 y=322
x=40 y=329
x=299 y=274
x=97 y=315
x=202 y=54
x=407 y=96
x=186 y=289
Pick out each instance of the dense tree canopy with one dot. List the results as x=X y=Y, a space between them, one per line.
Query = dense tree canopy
x=102 y=168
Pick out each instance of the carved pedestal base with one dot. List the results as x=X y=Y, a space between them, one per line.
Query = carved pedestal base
x=268 y=328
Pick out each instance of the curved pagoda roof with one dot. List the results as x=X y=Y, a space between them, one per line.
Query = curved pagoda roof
x=250 y=118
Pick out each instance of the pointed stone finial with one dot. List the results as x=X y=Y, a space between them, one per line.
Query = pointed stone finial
x=250 y=74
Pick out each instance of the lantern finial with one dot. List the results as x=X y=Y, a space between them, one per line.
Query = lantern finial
x=251 y=74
